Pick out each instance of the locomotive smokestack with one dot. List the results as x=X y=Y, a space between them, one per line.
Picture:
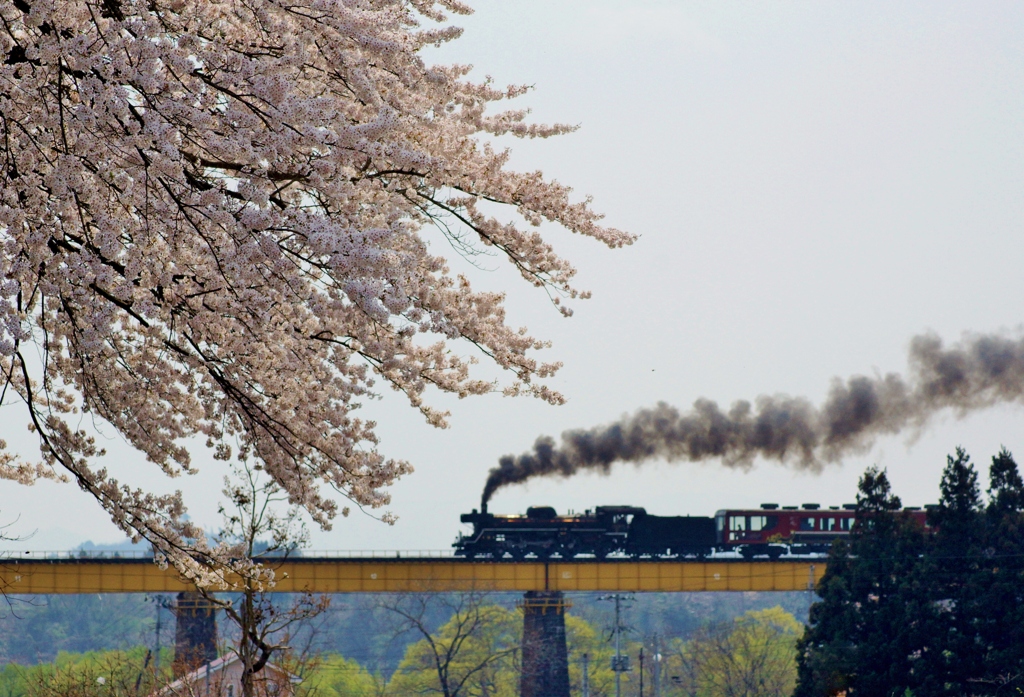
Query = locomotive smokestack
x=978 y=372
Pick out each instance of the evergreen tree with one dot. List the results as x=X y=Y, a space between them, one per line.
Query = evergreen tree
x=949 y=651
x=933 y=615
x=826 y=659
x=1006 y=488
x=874 y=495
x=960 y=501
x=859 y=634
x=1000 y=607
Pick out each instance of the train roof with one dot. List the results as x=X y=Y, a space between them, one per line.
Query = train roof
x=806 y=509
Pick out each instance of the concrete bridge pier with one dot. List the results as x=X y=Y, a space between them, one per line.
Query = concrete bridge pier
x=545 y=666
x=195 y=632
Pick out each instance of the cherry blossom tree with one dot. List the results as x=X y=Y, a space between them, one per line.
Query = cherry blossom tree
x=217 y=219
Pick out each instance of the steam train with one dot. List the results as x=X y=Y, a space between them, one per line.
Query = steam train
x=629 y=531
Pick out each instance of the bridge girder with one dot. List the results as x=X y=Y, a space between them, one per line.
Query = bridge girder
x=425 y=575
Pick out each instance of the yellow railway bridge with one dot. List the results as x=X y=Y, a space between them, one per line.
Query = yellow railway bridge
x=409 y=575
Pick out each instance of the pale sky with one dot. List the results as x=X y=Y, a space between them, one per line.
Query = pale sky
x=813 y=183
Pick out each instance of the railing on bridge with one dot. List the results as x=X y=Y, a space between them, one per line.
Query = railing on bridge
x=132 y=554
x=353 y=554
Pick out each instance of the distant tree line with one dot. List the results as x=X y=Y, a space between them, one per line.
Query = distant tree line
x=475 y=652
x=922 y=611
x=34 y=629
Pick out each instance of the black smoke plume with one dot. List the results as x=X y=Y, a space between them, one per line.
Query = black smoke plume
x=978 y=372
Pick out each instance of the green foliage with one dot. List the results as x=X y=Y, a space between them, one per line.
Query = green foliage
x=752 y=656
x=904 y=612
x=127 y=673
x=474 y=653
x=582 y=638
x=486 y=663
x=12 y=680
x=36 y=628
x=39 y=627
x=337 y=676
x=479 y=658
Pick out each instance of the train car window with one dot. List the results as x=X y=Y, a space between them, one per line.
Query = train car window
x=737 y=522
x=807 y=523
x=828 y=523
x=846 y=524
x=770 y=522
x=757 y=522
x=720 y=522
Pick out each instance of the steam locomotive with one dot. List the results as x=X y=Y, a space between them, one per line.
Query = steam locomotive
x=629 y=531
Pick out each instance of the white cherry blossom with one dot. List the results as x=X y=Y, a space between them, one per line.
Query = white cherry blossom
x=214 y=221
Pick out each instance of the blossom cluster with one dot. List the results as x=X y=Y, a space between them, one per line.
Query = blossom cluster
x=215 y=220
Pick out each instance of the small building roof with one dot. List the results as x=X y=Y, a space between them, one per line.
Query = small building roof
x=217 y=666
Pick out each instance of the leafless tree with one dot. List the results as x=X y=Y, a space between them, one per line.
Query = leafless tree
x=683 y=680
x=467 y=649
x=261 y=537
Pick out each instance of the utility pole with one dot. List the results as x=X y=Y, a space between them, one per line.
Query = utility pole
x=161 y=602
x=617 y=665
x=156 y=656
x=810 y=591
x=656 y=668
x=620 y=663
x=641 y=671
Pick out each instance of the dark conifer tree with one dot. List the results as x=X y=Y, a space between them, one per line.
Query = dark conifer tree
x=948 y=579
x=1000 y=606
x=938 y=614
x=960 y=500
x=858 y=636
x=1006 y=488
x=826 y=653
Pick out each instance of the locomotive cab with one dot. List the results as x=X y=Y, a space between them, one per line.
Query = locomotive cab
x=542 y=533
x=475 y=518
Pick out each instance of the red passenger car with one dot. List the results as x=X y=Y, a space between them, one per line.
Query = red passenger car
x=771 y=530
